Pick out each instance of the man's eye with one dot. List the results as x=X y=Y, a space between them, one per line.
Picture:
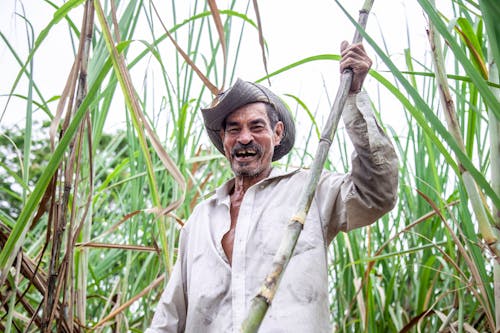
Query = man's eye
x=232 y=130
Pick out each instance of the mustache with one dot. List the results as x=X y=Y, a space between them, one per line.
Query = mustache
x=251 y=145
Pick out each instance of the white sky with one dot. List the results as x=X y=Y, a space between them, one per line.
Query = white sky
x=294 y=30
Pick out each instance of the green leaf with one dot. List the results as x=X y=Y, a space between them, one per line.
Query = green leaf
x=490 y=9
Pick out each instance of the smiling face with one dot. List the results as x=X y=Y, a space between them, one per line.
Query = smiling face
x=249 y=141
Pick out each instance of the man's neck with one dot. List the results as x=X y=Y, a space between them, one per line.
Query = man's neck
x=243 y=183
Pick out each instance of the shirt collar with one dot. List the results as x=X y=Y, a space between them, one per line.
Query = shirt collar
x=222 y=192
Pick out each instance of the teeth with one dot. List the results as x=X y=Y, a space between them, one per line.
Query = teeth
x=246 y=152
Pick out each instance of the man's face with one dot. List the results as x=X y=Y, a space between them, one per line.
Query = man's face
x=249 y=140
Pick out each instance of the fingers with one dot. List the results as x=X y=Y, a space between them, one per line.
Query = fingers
x=356 y=63
x=346 y=47
x=355 y=58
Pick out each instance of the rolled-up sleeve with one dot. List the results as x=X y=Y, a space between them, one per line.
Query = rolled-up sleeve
x=170 y=314
x=369 y=190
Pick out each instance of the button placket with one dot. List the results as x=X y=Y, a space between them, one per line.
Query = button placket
x=238 y=272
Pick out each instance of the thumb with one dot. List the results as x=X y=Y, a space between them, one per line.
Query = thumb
x=343 y=45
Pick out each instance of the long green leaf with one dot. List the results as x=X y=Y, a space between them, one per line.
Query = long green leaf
x=61 y=13
x=491 y=12
x=476 y=77
x=17 y=236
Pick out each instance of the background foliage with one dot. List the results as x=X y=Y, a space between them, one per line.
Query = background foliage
x=98 y=177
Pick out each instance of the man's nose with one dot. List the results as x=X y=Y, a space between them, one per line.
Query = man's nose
x=245 y=136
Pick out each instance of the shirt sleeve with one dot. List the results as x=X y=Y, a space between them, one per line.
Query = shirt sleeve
x=170 y=314
x=369 y=190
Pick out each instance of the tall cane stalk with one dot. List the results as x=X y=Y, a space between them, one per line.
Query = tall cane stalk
x=479 y=207
x=261 y=302
x=494 y=125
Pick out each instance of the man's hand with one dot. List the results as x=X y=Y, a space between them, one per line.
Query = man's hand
x=354 y=57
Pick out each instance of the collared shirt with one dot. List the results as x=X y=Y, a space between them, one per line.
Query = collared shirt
x=206 y=294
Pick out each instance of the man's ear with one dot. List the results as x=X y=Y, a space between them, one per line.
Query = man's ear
x=221 y=134
x=279 y=130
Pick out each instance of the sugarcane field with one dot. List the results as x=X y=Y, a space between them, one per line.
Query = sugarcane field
x=250 y=166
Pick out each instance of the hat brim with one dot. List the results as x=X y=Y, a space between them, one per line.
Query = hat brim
x=241 y=94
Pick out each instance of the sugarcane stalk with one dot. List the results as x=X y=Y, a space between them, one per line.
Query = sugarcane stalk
x=479 y=207
x=489 y=234
x=260 y=303
x=494 y=126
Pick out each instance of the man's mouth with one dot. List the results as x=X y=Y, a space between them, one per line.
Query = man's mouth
x=246 y=152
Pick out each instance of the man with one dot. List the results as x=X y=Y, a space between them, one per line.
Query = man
x=228 y=243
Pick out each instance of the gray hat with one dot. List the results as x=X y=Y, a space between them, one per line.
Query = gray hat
x=241 y=94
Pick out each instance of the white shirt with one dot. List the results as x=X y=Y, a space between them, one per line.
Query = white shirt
x=206 y=294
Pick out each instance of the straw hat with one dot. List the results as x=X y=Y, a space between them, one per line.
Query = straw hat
x=240 y=94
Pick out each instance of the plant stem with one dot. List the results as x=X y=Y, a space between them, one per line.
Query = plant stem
x=494 y=126
x=489 y=234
